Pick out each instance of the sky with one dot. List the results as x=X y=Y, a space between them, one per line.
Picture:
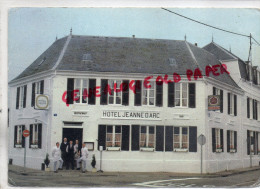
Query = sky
x=32 y=30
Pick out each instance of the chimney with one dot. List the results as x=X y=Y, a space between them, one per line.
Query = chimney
x=196 y=44
x=133 y=36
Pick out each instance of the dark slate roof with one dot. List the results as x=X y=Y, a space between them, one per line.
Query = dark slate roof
x=223 y=54
x=125 y=55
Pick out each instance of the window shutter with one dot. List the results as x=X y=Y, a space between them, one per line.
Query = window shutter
x=171 y=94
x=254 y=145
x=15 y=135
x=104 y=94
x=213 y=140
x=92 y=87
x=30 y=137
x=125 y=138
x=248 y=107
x=23 y=138
x=192 y=139
x=125 y=100
x=40 y=136
x=228 y=140
x=135 y=137
x=228 y=103
x=221 y=140
x=159 y=95
x=214 y=90
x=42 y=87
x=235 y=140
x=159 y=138
x=168 y=138
x=221 y=101
x=138 y=93
x=192 y=95
x=24 y=96
x=17 y=97
x=33 y=95
x=70 y=88
x=235 y=105
x=248 y=142
x=256 y=111
x=102 y=136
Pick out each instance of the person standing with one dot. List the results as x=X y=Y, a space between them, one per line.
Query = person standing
x=63 y=148
x=56 y=154
x=76 y=151
x=70 y=155
x=83 y=159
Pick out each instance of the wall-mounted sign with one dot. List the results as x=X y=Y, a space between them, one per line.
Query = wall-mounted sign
x=125 y=114
x=213 y=102
x=41 y=102
x=90 y=146
x=80 y=113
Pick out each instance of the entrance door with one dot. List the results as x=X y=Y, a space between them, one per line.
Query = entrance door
x=73 y=134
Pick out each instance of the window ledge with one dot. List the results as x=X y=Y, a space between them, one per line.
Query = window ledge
x=233 y=151
x=147 y=149
x=219 y=150
x=113 y=148
x=180 y=150
x=34 y=146
x=18 y=146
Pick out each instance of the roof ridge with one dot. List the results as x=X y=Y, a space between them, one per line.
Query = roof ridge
x=192 y=54
x=225 y=50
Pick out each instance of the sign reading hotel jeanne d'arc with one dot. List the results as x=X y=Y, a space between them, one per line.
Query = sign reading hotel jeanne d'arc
x=41 y=102
x=213 y=102
x=124 y=114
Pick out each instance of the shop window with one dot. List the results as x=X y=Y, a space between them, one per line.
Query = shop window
x=147 y=136
x=219 y=92
x=21 y=97
x=180 y=138
x=18 y=136
x=231 y=141
x=217 y=140
x=232 y=104
x=35 y=135
x=148 y=96
x=37 y=88
x=113 y=136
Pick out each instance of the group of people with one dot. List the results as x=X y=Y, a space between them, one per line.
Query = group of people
x=69 y=153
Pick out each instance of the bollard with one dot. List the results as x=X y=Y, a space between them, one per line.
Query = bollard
x=43 y=166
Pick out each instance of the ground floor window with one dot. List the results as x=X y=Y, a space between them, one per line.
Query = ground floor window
x=217 y=140
x=147 y=136
x=113 y=136
x=180 y=138
x=19 y=140
x=35 y=135
x=252 y=142
x=231 y=141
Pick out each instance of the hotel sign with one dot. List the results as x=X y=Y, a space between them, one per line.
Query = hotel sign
x=41 y=102
x=213 y=102
x=126 y=114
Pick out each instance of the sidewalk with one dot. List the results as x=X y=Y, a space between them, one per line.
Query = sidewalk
x=76 y=173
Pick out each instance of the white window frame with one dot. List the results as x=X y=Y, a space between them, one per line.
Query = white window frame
x=81 y=89
x=37 y=88
x=21 y=97
x=258 y=150
x=35 y=131
x=258 y=112
x=252 y=150
x=114 y=136
x=217 y=91
x=251 y=108
x=148 y=136
x=19 y=135
x=180 y=142
x=115 y=95
x=181 y=98
x=148 y=95
x=232 y=104
x=232 y=140
x=218 y=139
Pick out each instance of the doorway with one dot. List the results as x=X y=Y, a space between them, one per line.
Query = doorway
x=73 y=134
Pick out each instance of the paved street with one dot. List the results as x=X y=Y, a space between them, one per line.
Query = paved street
x=111 y=179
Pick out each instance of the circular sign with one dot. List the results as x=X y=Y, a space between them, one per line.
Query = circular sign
x=202 y=139
x=26 y=133
x=42 y=102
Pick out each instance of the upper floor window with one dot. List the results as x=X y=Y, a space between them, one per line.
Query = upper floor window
x=181 y=94
x=113 y=136
x=219 y=92
x=147 y=136
x=37 y=88
x=232 y=104
x=115 y=97
x=180 y=138
x=252 y=109
x=35 y=135
x=18 y=136
x=148 y=97
x=21 y=97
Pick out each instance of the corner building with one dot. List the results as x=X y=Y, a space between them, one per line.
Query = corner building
x=141 y=129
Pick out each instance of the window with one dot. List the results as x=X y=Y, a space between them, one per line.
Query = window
x=180 y=138
x=35 y=135
x=116 y=94
x=217 y=140
x=181 y=94
x=258 y=110
x=18 y=137
x=87 y=57
x=232 y=104
x=81 y=90
x=113 y=136
x=21 y=97
x=231 y=141
x=251 y=108
x=258 y=143
x=219 y=92
x=37 y=88
x=147 y=136
x=148 y=96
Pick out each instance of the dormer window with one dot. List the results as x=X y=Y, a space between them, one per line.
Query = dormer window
x=172 y=62
x=87 y=57
x=42 y=61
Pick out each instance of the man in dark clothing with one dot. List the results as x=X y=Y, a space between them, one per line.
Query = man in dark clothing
x=63 y=148
x=70 y=155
